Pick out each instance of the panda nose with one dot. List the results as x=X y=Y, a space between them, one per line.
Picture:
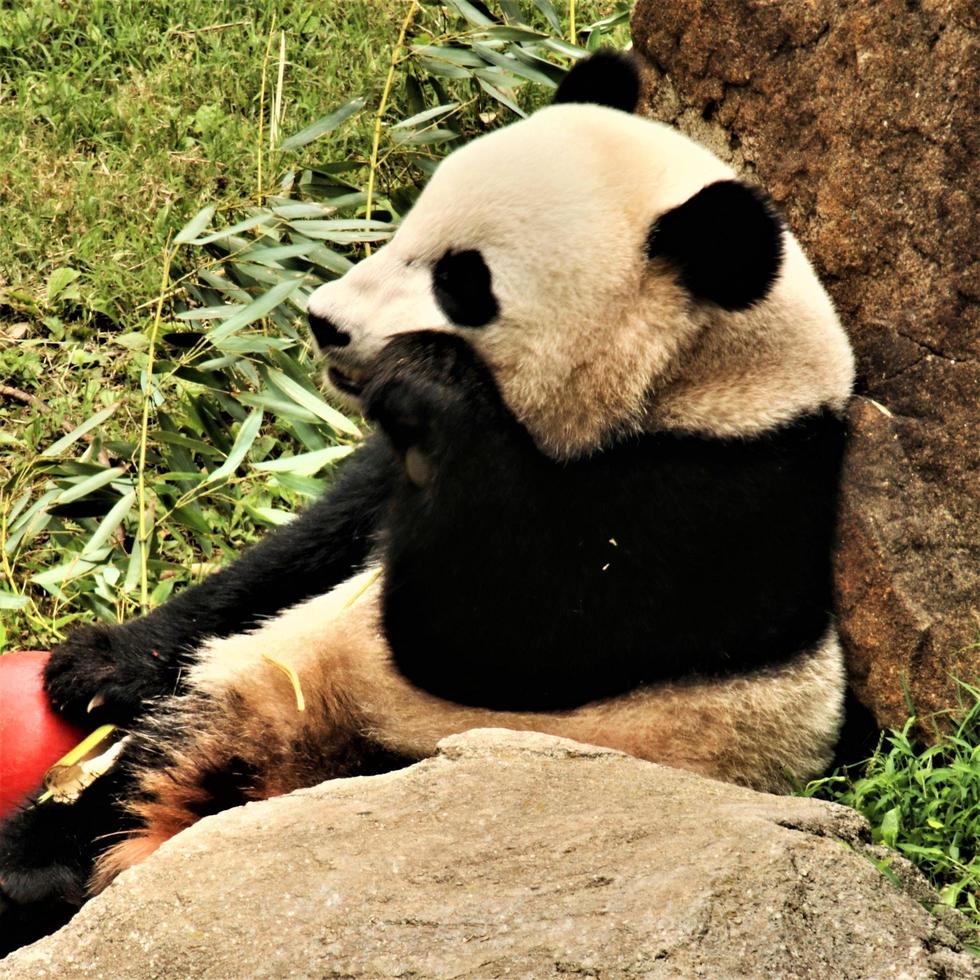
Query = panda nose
x=327 y=333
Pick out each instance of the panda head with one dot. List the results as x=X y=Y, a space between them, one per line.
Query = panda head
x=614 y=275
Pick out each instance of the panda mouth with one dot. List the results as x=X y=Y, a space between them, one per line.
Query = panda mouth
x=348 y=380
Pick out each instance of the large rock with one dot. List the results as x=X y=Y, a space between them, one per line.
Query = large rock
x=861 y=119
x=511 y=854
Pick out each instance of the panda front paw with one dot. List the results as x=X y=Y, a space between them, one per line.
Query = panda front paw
x=432 y=395
x=105 y=674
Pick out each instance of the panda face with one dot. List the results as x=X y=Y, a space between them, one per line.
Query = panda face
x=612 y=274
x=530 y=243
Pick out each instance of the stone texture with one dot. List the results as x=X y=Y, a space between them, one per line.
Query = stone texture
x=512 y=854
x=862 y=120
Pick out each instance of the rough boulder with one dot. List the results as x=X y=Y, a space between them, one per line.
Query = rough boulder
x=512 y=855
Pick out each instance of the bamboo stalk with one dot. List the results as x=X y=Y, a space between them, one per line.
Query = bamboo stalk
x=144 y=530
x=382 y=107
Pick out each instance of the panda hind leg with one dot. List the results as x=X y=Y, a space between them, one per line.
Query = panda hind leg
x=47 y=854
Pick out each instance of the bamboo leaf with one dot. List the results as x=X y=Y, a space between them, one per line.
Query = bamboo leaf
x=313 y=403
x=134 y=568
x=89 y=485
x=109 y=523
x=8 y=600
x=303 y=209
x=258 y=308
x=279 y=406
x=346 y=232
x=195 y=226
x=247 y=432
x=469 y=12
x=563 y=47
x=304 y=464
x=421 y=117
x=67 y=571
x=500 y=96
x=255 y=344
x=275 y=253
x=425 y=137
x=57 y=448
x=546 y=8
x=512 y=11
x=444 y=69
x=514 y=66
x=246 y=224
x=221 y=312
x=555 y=72
x=324 y=125
x=511 y=32
x=460 y=57
x=269 y=515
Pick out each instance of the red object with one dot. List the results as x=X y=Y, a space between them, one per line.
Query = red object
x=32 y=736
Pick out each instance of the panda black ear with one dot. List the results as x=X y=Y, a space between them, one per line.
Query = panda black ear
x=607 y=77
x=726 y=242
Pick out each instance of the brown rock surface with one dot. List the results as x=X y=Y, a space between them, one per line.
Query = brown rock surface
x=512 y=854
x=863 y=121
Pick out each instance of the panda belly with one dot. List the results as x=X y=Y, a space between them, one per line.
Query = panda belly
x=315 y=694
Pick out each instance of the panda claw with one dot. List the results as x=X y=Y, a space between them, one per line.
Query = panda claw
x=97 y=701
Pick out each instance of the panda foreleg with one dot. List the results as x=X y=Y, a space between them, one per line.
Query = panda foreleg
x=314 y=694
x=437 y=403
x=109 y=673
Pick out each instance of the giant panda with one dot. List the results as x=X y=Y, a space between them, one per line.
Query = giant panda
x=608 y=391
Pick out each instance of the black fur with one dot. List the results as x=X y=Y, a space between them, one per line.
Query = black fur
x=726 y=242
x=141 y=660
x=463 y=288
x=607 y=77
x=514 y=582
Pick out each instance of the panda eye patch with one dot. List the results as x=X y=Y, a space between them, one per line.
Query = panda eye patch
x=463 y=288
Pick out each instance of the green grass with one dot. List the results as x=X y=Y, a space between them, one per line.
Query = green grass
x=924 y=803
x=118 y=119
